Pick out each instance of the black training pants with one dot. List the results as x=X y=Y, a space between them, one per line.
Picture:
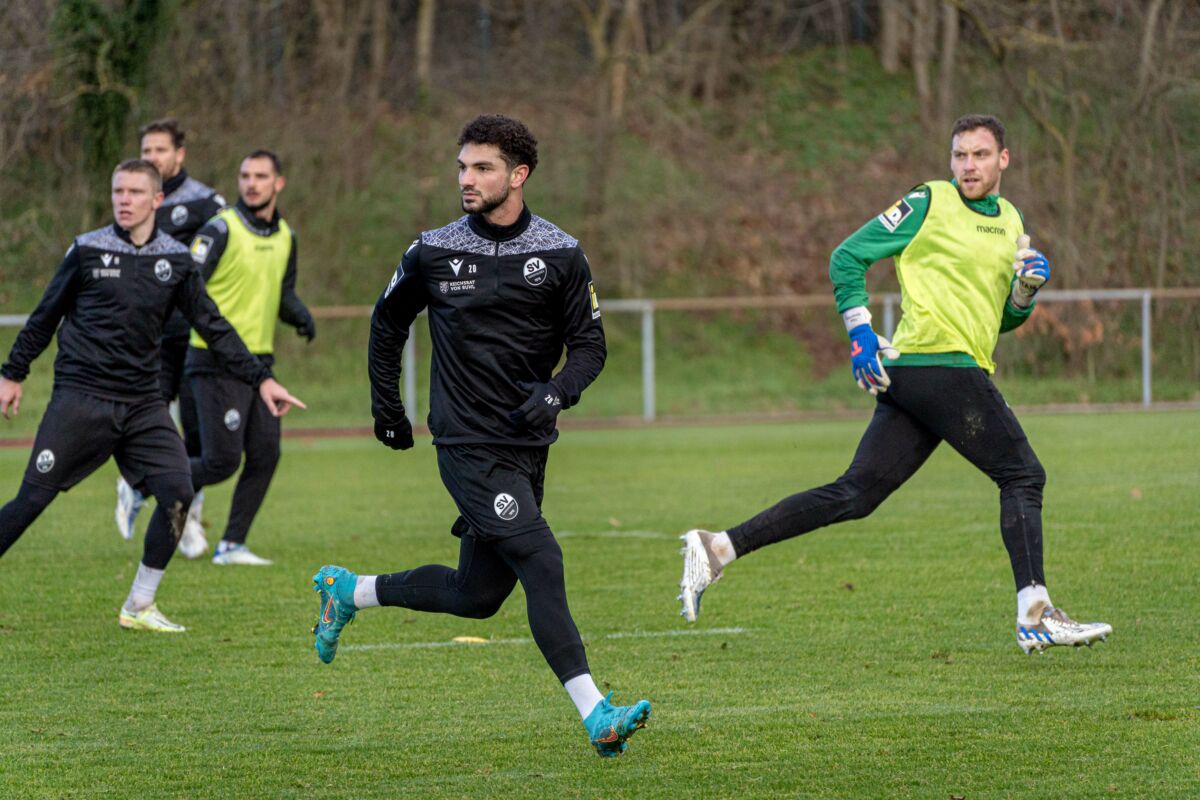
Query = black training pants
x=173 y=385
x=78 y=433
x=504 y=539
x=923 y=407
x=234 y=420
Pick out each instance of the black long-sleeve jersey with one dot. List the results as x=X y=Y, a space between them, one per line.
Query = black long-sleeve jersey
x=112 y=298
x=503 y=303
x=187 y=204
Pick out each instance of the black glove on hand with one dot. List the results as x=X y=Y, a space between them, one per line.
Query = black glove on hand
x=539 y=412
x=307 y=328
x=397 y=436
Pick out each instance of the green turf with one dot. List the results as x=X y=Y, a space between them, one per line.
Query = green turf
x=874 y=660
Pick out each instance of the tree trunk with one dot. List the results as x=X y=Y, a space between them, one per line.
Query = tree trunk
x=380 y=30
x=424 y=65
x=922 y=53
x=946 y=73
x=1146 y=62
x=622 y=53
x=241 y=30
x=891 y=35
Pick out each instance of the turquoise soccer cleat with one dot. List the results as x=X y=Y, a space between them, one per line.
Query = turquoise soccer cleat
x=609 y=726
x=335 y=585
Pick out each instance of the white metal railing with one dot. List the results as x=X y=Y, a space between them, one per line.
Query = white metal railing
x=890 y=302
x=648 y=308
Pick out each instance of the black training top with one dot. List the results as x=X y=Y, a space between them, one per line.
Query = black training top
x=187 y=204
x=112 y=298
x=503 y=303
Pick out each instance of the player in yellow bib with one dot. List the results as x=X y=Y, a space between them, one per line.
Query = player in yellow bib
x=247 y=255
x=967 y=274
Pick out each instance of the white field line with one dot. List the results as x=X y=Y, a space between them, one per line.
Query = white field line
x=527 y=640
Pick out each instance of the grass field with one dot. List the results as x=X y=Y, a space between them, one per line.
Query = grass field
x=874 y=660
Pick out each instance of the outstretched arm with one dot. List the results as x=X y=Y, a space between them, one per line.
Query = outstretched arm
x=56 y=301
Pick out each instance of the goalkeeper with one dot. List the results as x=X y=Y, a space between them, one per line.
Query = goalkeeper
x=966 y=275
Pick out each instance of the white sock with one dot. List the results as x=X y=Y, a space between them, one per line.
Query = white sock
x=365 y=595
x=722 y=548
x=584 y=693
x=145 y=584
x=1031 y=601
x=197 y=506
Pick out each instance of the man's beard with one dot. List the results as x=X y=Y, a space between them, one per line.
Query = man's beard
x=489 y=204
x=260 y=206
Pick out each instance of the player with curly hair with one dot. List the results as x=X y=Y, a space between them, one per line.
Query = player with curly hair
x=505 y=292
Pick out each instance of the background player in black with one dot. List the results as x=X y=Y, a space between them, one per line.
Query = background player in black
x=247 y=255
x=187 y=204
x=112 y=293
x=505 y=291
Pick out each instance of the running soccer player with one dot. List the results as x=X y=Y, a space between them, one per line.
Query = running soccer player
x=247 y=255
x=505 y=291
x=187 y=204
x=112 y=293
x=967 y=274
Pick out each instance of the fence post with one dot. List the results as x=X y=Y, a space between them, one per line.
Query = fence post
x=648 y=401
x=889 y=317
x=410 y=374
x=1146 y=349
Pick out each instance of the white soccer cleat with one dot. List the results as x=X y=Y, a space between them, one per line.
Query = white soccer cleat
x=129 y=503
x=228 y=554
x=700 y=570
x=197 y=507
x=1056 y=629
x=192 y=543
x=148 y=619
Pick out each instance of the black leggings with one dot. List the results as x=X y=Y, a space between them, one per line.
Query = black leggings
x=923 y=407
x=233 y=421
x=487 y=572
x=172 y=491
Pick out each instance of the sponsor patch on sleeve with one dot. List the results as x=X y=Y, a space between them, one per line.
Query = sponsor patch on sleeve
x=895 y=214
x=201 y=246
x=395 y=279
x=594 y=302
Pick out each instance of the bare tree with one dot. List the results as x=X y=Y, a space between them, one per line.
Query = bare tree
x=947 y=71
x=923 y=28
x=891 y=34
x=426 y=10
x=341 y=27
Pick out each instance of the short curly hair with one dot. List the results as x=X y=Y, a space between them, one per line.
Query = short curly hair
x=515 y=141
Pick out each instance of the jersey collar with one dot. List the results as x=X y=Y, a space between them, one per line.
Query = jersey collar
x=123 y=235
x=263 y=227
x=988 y=205
x=171 y=184
x=500 y=233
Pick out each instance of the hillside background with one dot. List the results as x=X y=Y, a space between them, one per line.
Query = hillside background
x=696 y=147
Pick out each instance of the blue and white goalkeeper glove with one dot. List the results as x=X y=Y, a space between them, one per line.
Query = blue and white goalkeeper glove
x=865 y=348
x=1032 y=270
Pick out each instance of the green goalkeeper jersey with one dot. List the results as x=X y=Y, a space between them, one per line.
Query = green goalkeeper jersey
x=954 y=262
